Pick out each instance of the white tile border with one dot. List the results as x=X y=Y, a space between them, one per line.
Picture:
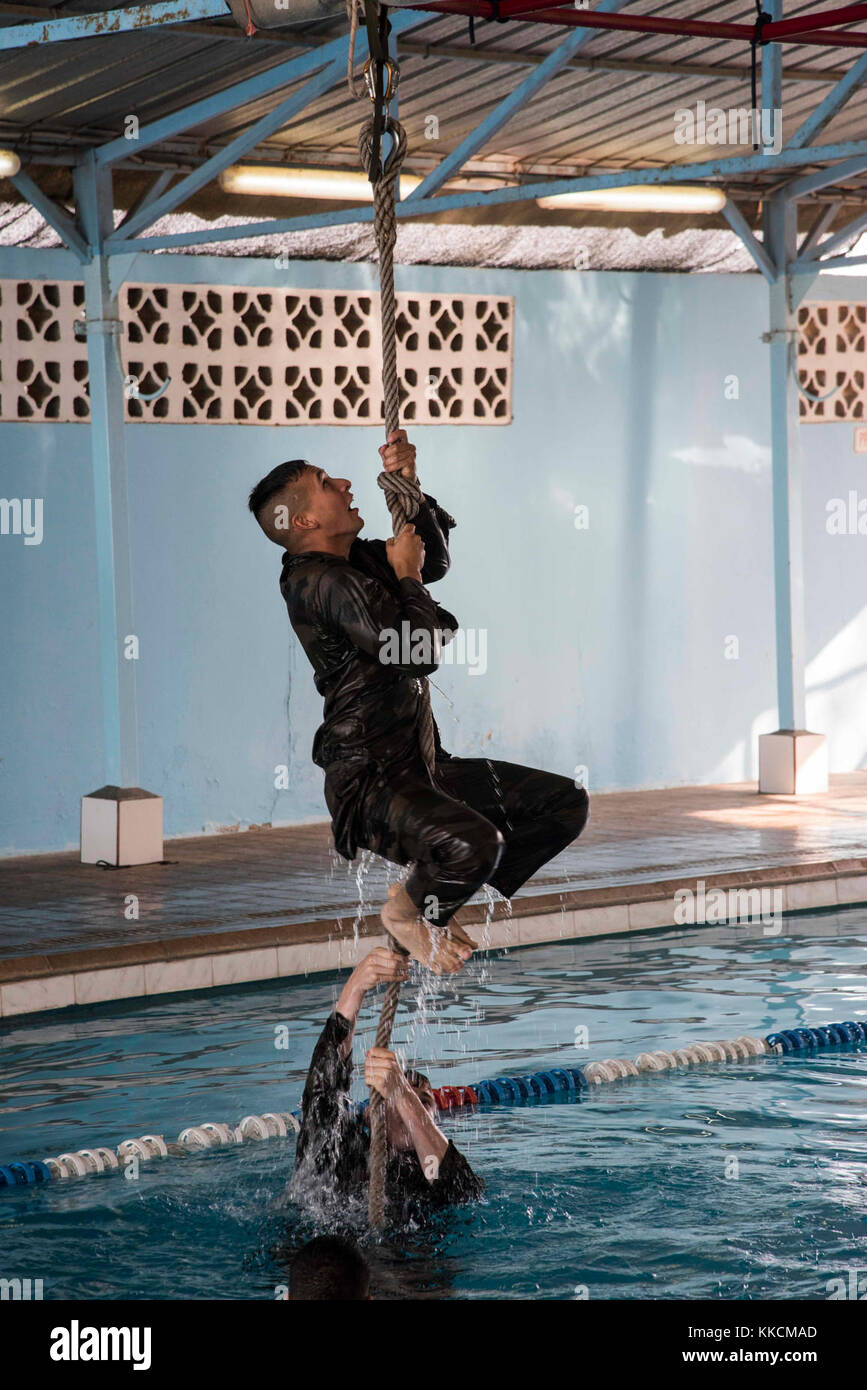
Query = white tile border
x=339 y=953
x=119 y=982
x=170 y=976
x=34 y=996
x=817 y=892
x=658 y=912
x=852 y=888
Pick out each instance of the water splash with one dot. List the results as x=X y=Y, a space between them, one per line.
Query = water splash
x=365 y=863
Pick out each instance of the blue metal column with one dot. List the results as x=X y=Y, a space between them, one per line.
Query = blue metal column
x=114 y=580
x=780 y=240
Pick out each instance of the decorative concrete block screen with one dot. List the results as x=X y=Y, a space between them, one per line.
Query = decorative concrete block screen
x=237 y=355
x=832 y=360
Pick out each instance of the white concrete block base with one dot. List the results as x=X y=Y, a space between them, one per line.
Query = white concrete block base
x=121 y=825
x=793 y=762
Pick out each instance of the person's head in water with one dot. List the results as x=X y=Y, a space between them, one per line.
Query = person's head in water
x=397 y=1133
x=329 y=1268
x=301 y=508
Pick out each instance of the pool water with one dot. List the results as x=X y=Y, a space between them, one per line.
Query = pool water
x=630 y=1192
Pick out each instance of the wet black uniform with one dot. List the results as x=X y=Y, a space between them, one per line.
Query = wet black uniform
x=476 y=821
x=333 y=1148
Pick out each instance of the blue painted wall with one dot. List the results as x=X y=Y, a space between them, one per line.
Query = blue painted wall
x=605 y=646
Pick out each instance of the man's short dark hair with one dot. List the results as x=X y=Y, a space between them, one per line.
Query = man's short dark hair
x=274 y=482
x=417 y=1078
x=330 y=1268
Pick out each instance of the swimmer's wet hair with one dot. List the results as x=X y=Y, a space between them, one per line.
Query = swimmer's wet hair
x=330 y=1268
x=274 y=482
x=417 y=1078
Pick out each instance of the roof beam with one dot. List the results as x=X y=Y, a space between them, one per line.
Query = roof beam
x=822 y=178
x=447 y=202
x=604 y=63
x=54 y=216
x=518 y=58
x=819 y=19
x=155 y=190
x=543 y=12
x=819 y=227
x=241 y=93
x=834 y=242
x=838 y=263
x=739 y=225
x=506 y=109
x=218 y=104
x=830 y=105
x=236 y=149
x=89 y=26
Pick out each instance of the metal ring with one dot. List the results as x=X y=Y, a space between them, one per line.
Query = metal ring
x=392 y=71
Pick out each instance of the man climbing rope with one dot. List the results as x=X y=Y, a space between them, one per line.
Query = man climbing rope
x=459 y=822
x=477 y=822
x=424 y=1169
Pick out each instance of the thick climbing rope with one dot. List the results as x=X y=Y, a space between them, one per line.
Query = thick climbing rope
x=403 y=495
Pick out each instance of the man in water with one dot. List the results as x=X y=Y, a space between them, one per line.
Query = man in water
x=329 y=1268
x=466 y=822
x=331 y=1156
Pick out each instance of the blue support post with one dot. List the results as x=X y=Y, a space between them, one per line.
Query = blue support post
x=792 y=760
x=114 y=578
x=772 y=79
x=780 y=240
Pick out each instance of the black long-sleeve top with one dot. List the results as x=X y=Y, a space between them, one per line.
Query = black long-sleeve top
x=333 y=1147
x=340 y=610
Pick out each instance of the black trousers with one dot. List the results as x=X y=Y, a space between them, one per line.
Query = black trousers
x=479 y=821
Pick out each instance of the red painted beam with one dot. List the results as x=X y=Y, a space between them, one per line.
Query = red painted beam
x=810 y=23
x=542 y=12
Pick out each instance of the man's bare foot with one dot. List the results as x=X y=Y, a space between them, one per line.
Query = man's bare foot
x=453 y=930
x=427 y=944
x=458 y=934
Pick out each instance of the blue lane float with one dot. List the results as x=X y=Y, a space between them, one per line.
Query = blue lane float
x=500 y=1090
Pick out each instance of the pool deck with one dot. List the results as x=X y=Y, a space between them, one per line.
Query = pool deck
x=277 y=902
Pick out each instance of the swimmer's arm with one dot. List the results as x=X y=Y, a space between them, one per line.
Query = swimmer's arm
x=328 y=1081
x=379 y=967
x=431 y=1145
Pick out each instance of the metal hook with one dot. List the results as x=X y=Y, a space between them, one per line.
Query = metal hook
x=136 y=395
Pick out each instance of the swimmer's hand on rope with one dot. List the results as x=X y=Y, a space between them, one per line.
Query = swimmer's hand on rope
x=410 y=1110
x=379 y=967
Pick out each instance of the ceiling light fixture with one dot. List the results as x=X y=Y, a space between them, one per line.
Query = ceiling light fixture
x=639 y=198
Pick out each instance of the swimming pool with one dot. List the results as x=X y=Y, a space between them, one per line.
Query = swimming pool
x=621 y=1194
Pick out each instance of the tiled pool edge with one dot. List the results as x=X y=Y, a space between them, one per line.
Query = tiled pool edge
x=34 y=984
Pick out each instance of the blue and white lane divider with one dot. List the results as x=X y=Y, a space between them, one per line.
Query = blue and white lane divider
x=502 y=1090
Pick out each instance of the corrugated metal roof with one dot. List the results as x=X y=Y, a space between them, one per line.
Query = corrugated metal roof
x=59 y=95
